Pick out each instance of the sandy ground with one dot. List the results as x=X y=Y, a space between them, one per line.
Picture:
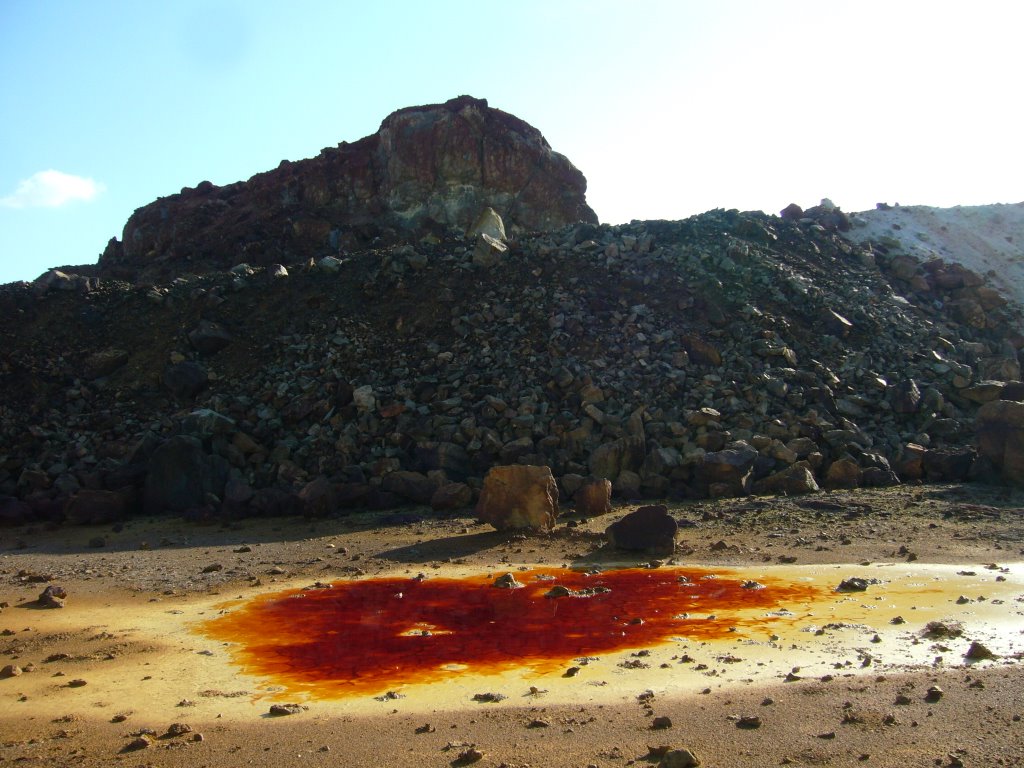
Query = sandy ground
x=841 y=679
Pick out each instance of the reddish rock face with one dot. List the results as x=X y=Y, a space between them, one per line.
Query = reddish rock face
x=426 y=169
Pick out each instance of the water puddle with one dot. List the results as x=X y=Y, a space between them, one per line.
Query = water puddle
x=674 y=626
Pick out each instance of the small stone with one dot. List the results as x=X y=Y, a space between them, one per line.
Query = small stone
x=489 y=698
x=507 y=581
x=679 y=758
x=282 y=710
x=854 y=584
x=213 y=568
x=934 y=694
x=11 y=670
x=661 y=723
x=178 y=729
x=979 y=651
x=538 y=723
x=471 y=755
x=139 y=742
x=749 y=722
x=53 y=597
x=76 y=683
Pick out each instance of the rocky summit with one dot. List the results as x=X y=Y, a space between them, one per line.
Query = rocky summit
x=426 y=170
x=726 y=354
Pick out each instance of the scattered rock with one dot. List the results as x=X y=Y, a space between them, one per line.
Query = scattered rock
x=283 y=710
x=52 y=597
x=679 y=758
x=507 y=581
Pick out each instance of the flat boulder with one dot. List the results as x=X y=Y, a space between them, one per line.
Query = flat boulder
x=647 y=529
x=519 y=496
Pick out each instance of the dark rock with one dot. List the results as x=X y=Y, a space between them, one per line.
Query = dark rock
x=104 y=362
x=317 y=497
x=948 y=464
x=185 y=380
x=1000 y=434
x=53 y=597
x=451 y=496
x=181 y=475
x=791 y=212
x=209 y=337
x=14 y=512
x=647 y=529
x=412 y=486
x=89 y=507
x=793 y=480
x=593 y=497
x=906 y=397
x=728 y=469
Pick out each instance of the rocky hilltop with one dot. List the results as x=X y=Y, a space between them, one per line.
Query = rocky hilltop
x=426 y=170
x=726 y=354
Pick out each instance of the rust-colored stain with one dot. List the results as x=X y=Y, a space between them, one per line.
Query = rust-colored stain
x=371 y=635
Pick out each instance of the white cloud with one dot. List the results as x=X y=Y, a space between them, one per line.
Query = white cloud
x=51 y=189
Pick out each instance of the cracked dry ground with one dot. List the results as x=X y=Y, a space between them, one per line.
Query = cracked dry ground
x=124 y=675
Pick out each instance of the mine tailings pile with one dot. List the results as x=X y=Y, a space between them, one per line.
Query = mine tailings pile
x=362 y=331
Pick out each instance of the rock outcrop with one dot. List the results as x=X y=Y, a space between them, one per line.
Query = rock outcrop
x=426 y=171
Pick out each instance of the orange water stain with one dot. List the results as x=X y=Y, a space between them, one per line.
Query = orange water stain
x=370 y=635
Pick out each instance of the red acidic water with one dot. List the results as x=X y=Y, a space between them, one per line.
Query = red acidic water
x=372 y=635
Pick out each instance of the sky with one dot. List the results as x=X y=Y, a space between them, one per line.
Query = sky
x=668 y=108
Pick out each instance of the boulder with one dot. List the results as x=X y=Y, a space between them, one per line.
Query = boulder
x=185 y=380
x=610 y=459
x=648 y=529
x=412 y=486
x=593 y=497
x=451 y=496
x=519 y=496
x=95 y=507
x=208 y=337
x=1000 y=433
x=948 y=464
x=729 y=470
x=795 y=479
x=316 y=497
x=844 y=473
x=104 y=362
x=181 y=475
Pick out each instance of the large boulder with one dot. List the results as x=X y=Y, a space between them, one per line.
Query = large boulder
x=648 y=529
x=1000 y=431
x=519 y=496
x=593 y=497
x=727 y=472
x=426 y=169
x=182 y=476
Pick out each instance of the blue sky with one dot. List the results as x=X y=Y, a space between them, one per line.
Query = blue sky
x=669 y=108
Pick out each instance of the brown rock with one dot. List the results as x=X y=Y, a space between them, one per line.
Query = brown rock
x=795 y=479
x=1000 y=432
x=843 y=473
x=425 y=169
x=413 y=486
x=316 y=497
x=594 y=497
x=519 y=496
x=89 y=507
x=451 y=496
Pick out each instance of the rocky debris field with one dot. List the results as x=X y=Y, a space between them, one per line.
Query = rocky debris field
x=721 y=355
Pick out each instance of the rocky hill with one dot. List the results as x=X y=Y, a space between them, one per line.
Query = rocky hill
x=720 y=355
x=426 y=169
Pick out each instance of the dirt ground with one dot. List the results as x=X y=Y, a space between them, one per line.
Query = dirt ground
x=842 y=682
